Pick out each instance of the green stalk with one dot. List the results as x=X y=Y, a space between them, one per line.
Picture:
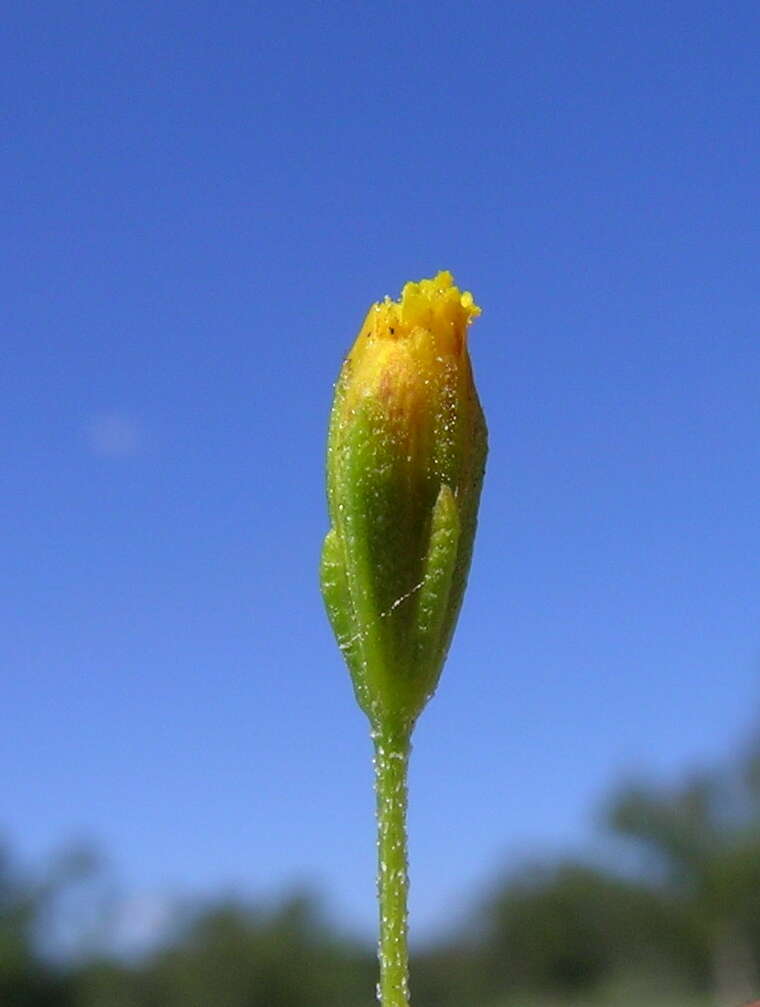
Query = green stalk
x=391 y=763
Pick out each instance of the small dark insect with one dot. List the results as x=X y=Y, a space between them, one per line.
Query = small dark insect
x=392 y=332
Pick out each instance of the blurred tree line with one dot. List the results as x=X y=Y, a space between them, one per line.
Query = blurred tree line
x=680 y=927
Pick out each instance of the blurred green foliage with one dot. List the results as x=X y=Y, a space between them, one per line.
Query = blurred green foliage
x=680 y=927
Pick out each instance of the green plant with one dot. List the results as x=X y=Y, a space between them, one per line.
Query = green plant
x=405 y=462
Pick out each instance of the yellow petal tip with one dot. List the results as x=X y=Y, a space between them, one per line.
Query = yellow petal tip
x=433 y=302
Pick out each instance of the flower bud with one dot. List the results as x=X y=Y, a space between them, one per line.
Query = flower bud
x=405 y=461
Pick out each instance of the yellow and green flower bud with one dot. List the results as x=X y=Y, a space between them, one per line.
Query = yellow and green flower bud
x=406 y=455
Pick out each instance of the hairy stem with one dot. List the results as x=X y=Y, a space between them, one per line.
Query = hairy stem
x=391 y=762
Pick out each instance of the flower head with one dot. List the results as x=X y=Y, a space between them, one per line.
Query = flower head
x=406 y=454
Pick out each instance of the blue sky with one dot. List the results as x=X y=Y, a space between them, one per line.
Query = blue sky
x=199 y=202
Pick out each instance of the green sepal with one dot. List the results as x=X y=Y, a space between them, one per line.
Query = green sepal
x=337 y=599
x=433 y=600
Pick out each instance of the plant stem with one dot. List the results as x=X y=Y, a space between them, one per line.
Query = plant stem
x=391 y=763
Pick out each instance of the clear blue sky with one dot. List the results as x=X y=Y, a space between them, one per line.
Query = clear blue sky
x=199 y=202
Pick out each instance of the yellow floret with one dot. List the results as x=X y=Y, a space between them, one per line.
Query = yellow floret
x=405 y=348
x=433 y=304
